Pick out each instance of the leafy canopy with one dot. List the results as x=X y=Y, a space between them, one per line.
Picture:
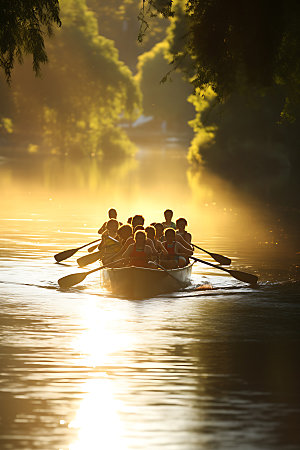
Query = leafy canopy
x=23 y=27
x=74 y=108
x=235 y=43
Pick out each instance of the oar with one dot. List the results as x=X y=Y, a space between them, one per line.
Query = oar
x=89 y=259
x=219 y=258
x=76 y=278
x=91 y=249
x=170 y=275
x=241 y=276
x=68 y=253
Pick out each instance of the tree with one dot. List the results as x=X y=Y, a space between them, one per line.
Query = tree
x=75 y=106
x=240 y=137
x=23 y=25
x=117 y=20
x=236 y=44
x=243 y=59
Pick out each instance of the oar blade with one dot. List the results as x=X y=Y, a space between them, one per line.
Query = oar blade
x=70 y=280
x=88 y=259
x=65 y=254
x=244 y=276
x=91 y=249
x=223 y=260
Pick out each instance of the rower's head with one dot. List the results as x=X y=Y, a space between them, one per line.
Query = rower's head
x=168 y=215
x=125 y=231
x=137 y=220
x=170 y=235
x=159 y=230
x=112 y=213
x=112 y=226
x=138 y=227
x=140 y=238
x=129 y=220
x=150 y=232
x=181 y=224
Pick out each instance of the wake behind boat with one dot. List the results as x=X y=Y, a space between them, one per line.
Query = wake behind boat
x=140 y=282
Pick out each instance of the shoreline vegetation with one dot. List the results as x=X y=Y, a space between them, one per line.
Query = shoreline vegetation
x=99 y=80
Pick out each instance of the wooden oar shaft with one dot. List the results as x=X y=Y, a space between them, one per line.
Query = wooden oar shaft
x=241 y=276
x=210 y=264
x=170 y=274
x=88 y=259
x=68 y=253
x=216 y=256
x=91 y=249
x=92 y=257
x=90 y=243
x=76 y=278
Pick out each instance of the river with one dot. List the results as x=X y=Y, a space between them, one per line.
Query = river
x=197 y=369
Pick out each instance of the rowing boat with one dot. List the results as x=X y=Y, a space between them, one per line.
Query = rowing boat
x=140 y=282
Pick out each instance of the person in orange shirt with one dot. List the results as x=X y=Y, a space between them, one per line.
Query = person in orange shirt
x=139 y=253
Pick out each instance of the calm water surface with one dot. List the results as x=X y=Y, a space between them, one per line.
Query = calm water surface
x=198 y=369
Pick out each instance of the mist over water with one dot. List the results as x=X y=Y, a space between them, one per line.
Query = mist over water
x=80 y=369
x=64 y=194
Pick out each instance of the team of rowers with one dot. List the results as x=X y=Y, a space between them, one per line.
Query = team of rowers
x=167 y=244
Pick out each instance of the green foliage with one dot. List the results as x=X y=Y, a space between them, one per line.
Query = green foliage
x=241 y=137
x=168 y=100
x=85 y=89
x=248 y=54
x=117 y=20
x=23 y=25
x=236 y=44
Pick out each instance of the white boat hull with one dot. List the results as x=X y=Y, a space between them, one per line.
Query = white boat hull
x=139 y=282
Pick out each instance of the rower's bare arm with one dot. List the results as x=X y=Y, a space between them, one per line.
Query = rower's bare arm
x=183 y=242
x=124 y=247
x=182 y=250
x=102 y=229
x=128 y=251
x=151 y=245
x=188 y=238
x=162 y=248
x=149 y=251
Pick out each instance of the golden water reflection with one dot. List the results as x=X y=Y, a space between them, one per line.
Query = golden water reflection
x=97 y=419
x=102 y=335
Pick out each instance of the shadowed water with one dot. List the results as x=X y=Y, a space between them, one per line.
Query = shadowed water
x=197 y=369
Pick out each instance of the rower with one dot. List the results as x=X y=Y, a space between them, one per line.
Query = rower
x=148 y=240
x=168 y=219
x=177 y=253
x=138 y=219
x=151 y=234
x=159 y=235
x=181 y=231
x=139 y=253
x=110 y=245
x=112 y=214
x=124 y=232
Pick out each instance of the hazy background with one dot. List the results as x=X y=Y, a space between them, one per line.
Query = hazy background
x=101 y=94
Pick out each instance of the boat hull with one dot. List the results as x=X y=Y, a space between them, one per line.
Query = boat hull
x=139 y=282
